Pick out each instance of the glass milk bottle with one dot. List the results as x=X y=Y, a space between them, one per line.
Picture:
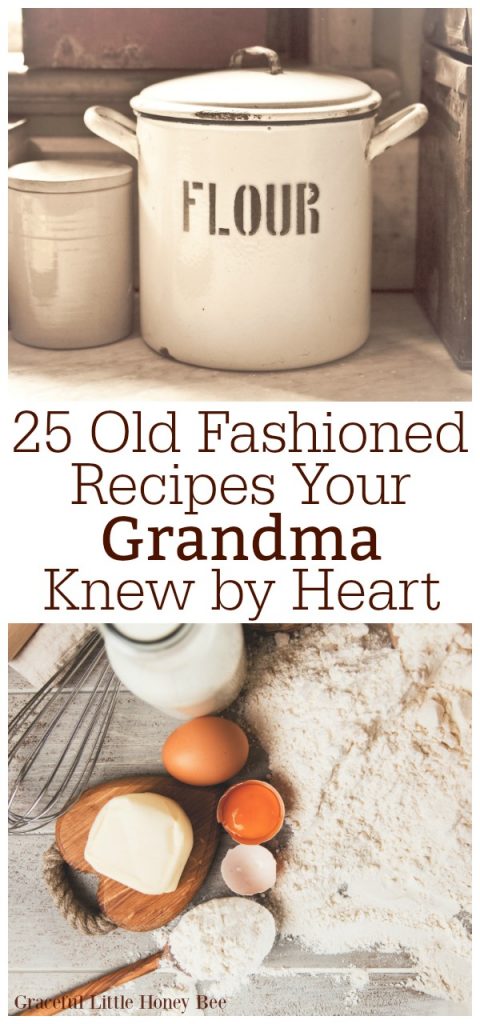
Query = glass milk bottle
x=184 y=670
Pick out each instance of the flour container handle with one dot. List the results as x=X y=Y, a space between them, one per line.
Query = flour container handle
x=113 y=127
x=396 y=128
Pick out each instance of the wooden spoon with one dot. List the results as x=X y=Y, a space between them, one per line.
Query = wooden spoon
x=75 y=998
x=262 y=938
x=129 y=909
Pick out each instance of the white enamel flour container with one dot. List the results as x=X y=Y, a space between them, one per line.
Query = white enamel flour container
x=255 y=211
x=70 y=252
x=184 y=670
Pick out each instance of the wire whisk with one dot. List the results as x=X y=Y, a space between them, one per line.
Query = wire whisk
x=56 y=738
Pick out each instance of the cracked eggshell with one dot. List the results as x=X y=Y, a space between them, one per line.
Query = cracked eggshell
x=249 y=870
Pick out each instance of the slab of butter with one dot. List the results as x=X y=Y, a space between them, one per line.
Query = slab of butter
x=142 y=840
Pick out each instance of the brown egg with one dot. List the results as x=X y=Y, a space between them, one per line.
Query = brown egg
x=205 y=751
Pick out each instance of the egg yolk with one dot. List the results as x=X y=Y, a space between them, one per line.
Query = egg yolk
x=251 y=811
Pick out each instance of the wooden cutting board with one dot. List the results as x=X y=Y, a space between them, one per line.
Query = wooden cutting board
x=127 y=908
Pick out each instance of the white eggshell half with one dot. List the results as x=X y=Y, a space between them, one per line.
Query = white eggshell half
x=248 y=870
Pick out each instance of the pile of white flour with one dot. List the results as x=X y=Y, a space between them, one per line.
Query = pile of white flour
x=223 y=941
x=370 y=746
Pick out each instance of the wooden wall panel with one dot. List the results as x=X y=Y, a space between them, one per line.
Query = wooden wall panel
x=59 y=37
x=341 y=37
x=450 y=27
x=444 y=257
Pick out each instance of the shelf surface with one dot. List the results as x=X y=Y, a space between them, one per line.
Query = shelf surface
x=403 y=360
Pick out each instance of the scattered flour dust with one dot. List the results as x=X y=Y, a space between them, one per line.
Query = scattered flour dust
x=368 y=741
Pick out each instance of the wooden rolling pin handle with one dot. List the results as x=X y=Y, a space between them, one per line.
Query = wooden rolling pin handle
x=76 y=997
x=18 y=635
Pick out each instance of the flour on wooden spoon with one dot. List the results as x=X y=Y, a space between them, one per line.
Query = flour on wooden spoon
x=223 y=941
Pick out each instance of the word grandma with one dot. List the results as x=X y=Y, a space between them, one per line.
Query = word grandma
x=276 y=209
x=123 y=542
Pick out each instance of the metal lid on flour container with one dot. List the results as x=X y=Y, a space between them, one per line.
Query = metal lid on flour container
x=258 y=94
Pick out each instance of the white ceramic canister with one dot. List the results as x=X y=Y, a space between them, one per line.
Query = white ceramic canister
x=184 y=670
x=255 y=211
x=70 y=252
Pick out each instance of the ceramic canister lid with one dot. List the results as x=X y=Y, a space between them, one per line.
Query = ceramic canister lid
x=261 y=93
x=67 y=175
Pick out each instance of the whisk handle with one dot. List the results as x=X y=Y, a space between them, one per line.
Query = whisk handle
x=80 y=996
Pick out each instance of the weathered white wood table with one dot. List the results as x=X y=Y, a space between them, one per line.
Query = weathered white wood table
x=403 y=360
x=47 y=956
